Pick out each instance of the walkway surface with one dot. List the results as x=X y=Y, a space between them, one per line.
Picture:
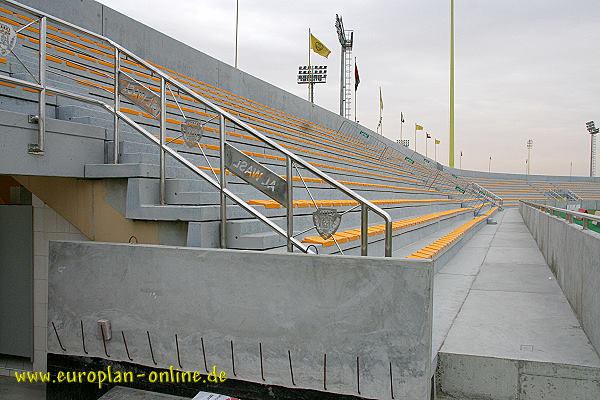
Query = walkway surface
x=497 y=299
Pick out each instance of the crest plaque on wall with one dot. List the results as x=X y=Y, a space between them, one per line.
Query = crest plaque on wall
x=327 y=221
x=8 y=38
x=192 y=132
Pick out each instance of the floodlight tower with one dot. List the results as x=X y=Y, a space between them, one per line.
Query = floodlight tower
x=346 y=39
x=593 y=131
x=529 y=147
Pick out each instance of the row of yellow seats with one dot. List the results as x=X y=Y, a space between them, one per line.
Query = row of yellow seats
x=355 y=234
x=347 y=203
x=434 y=248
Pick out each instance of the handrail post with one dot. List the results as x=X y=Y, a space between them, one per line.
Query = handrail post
x=39 y=147
x=364 y=230
x=163 y=136
x=223 y=179
x=388 y=238
x=586 y=224
x=117 y=67
x=290 y=203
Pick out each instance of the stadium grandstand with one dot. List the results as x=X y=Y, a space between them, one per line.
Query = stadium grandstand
x=162 y=212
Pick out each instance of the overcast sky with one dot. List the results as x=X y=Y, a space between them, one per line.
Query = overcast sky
x=524 y=69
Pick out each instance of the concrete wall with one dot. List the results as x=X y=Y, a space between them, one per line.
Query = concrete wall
x=574 y=257
x=47 y=225
x=376 y=309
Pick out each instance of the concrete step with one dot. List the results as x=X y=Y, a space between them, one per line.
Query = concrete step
x=245 y=234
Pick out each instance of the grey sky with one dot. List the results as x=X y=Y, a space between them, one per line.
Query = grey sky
x=524 y=69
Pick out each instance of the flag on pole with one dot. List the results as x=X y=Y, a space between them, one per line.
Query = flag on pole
x=418 y=127
x=437 y=141
x=461 y=153
x=380 y=100
x=356 y=76
x=401 y=117
x=318 y=46
x=428 y=135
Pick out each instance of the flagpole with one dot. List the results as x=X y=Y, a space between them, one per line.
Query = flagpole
x=380 y=114
x=426 y=137
x=435 y=149
x=355 y=87
x=401 y=123
x=310 y=75
x=237 y=13
x=415 y=138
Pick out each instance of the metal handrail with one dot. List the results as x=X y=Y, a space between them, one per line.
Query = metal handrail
x=440 y=176
x=291 y=158
x=570 y=215
x=493 y=197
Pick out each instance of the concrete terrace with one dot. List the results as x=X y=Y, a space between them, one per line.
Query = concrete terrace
x=502 y=327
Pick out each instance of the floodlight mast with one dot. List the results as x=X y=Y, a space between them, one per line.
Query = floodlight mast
x=593 y=131
x=529 y=147
x=346 y=42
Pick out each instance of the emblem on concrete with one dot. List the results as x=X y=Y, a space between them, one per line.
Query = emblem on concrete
x=327 y=221
x=8 y=38
x=192 y=132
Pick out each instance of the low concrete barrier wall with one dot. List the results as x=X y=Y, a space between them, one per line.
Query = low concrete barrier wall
x=574 y=257
x=370 y=316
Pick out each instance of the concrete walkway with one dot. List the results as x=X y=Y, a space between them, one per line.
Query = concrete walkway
x=497 y=301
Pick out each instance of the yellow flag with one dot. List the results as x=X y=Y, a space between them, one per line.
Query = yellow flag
x=418 y=127
x=318 y=46
x=437 y=141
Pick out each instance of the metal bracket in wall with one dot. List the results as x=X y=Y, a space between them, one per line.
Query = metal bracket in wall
x=34 y=148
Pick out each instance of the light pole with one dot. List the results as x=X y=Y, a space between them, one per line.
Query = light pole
x=593 y=131
x=529 y=147
x=571 y=170
x=237 y=13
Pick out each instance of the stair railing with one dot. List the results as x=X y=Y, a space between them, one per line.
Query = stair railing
x=165 y=79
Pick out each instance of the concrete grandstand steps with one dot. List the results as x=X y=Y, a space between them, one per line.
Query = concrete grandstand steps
x=248 y=234
x=402 y=236
x=84 y=116
x=145 y=151
x=142 y=203
x=442 y=245
x=83 y=113
x=443 y=230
